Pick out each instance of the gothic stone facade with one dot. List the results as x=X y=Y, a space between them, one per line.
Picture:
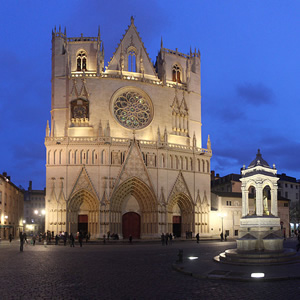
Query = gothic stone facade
x=124 y=151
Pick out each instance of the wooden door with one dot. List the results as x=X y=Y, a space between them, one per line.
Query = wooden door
x=131 y=225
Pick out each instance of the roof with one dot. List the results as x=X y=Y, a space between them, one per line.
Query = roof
x=258 y=161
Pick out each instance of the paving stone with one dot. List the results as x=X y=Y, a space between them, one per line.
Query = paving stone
x=126 y=272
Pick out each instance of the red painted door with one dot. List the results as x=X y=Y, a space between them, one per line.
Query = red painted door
x=131 y=225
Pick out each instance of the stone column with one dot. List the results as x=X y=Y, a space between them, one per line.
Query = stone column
x=245 y=202
x=259 y=200
x=274 y=207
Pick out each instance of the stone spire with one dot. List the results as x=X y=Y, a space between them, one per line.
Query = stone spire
x=208 y=143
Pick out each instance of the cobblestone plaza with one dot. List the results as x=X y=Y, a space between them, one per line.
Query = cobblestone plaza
x=142 y=270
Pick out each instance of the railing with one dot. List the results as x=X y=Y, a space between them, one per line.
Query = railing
x=132 y=77
x=124 y=141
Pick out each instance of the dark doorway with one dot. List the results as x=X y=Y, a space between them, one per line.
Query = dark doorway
x=83 y=223
x=177 y=226
x=131 y=225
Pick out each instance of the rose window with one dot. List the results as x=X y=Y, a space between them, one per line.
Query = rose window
x=132 y=110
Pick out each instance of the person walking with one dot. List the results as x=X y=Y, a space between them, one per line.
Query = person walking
x=162 y=238
x=170 y=238
x=56 y=239
x=130 y=239
x=221 y=236
x=33 y=240
x=166 y=239
x=72 y=240
x=197 y=238
x=10 y=237
x=25 y=237
x=21 y=241
x=80 y=237
x=65 y=239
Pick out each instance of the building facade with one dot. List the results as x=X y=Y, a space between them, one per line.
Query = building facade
x=11 y=208
x=124 y=145
x=34 y=210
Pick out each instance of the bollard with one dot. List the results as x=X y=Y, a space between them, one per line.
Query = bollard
x=180 y=256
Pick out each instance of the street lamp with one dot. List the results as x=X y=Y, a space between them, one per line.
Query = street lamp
x=222 y=215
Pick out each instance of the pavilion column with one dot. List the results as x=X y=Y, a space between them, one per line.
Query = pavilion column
x=245 y=201
x=274 y=207
x=259 y=200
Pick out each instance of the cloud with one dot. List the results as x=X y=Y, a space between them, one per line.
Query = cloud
x=256 y=94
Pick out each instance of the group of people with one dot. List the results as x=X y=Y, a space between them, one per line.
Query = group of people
x=47 y=237
x=166 y=239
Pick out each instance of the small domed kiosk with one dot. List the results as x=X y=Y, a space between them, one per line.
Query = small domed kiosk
x=260 y=238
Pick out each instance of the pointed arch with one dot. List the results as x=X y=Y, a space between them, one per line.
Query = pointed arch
x=147 y=205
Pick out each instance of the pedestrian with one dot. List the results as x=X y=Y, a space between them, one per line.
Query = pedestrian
x=170 y=238
x=108 y=235
x=56 y=239
x=25 y=238
x=166 y=239
x=65 y=239
x=198 y=238
x=10 y=237
x=33 y=240
x=21 y=241
x=80 y=237
x=225 y=236
x=162 y=238
x=104 y=238
x=72 y=240
x=130 y=239
x=222 y=237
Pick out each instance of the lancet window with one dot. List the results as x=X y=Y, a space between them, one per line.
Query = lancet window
x=176 y=73
x=131 y=61
x=81 y=60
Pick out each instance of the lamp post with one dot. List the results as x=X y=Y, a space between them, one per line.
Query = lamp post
x=222 y=215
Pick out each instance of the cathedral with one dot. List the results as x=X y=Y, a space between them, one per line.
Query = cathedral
x=124 y=149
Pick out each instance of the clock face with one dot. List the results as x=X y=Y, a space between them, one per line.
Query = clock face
x=79 y=112
x=132 y=110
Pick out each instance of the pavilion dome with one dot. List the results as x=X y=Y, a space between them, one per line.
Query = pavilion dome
x=258 y=161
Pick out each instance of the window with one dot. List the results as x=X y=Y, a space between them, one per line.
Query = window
x=286 y=185
x=286 y=205
x=176 y=73
x=227 y=232
x=228 y=203
x=81 y=61
x=131 y=61
x=292 y=186
x=236 y=232
x=286 y=194
x=297 y=195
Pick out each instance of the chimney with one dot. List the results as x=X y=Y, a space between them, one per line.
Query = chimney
x=4 y=174
x=30 y=186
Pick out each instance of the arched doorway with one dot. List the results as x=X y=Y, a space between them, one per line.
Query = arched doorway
x=131 y=225
x=83 y=214
x=134 y=194
x=180 y=215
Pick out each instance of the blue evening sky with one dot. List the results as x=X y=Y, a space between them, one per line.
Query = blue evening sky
x=250 y=72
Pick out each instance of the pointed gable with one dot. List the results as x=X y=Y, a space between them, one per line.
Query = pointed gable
x=83 y=182
x=131 y=42
x=134 y=166
x=180 y=186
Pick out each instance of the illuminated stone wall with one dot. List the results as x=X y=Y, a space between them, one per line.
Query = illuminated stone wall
x=123 y=139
